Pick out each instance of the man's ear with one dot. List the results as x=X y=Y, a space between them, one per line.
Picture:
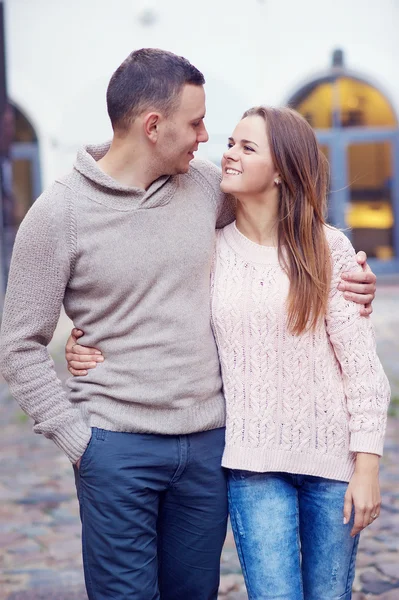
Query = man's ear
x=151 y=125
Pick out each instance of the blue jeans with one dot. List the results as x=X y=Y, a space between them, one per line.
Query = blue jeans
x=154 y=515
x=290 y=536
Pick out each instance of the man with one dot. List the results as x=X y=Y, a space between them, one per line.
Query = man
x=125 y=243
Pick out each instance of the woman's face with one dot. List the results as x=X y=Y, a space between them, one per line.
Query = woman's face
x=247 y=166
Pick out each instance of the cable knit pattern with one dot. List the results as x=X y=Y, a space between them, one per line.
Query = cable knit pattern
x=131 y=267
x=300 y=404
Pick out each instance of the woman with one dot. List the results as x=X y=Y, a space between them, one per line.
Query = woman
x=306 y=395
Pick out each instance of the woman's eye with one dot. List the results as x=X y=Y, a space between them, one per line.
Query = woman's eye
x=229 y=145
x=248 y=148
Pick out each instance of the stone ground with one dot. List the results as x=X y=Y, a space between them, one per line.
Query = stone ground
x=39 y=521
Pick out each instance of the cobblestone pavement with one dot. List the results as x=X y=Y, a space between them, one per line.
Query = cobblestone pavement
x=39 y=521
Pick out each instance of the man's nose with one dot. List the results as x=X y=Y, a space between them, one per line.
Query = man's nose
x=202 y=135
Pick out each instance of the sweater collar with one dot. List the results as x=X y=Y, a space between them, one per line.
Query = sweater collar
x=249 y=250
x=103 y=189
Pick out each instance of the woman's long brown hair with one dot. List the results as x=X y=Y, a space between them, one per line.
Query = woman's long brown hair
x=302 y=244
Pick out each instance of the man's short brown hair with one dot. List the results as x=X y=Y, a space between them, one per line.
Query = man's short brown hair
x=149 y=78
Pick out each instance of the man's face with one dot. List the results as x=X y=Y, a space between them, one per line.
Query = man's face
x=183 y=131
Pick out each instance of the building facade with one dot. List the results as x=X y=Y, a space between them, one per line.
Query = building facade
x=334 y=61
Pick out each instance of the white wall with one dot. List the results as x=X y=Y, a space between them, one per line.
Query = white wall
x=61 y=55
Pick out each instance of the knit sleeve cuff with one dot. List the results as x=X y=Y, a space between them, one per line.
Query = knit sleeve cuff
x=370 y=442
x=73 y=440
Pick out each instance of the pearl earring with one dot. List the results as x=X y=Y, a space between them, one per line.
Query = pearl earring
x=277 y=181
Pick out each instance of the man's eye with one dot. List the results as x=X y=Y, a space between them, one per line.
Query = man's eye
x=197 y=124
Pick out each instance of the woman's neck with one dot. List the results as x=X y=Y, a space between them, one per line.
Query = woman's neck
x=258 y=221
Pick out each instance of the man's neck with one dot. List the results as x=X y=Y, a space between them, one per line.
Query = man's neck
x=127 y=166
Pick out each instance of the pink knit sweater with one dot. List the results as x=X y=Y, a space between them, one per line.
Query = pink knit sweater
x=299 y=404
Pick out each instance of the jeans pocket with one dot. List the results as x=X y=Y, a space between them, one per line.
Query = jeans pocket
x=86 y=454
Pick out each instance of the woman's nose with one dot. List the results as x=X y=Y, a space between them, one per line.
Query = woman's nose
x=230 y=153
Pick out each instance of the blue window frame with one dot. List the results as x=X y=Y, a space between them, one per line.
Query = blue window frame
x=338 y=142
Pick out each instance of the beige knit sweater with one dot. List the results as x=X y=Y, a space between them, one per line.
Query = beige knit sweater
x=132 y=269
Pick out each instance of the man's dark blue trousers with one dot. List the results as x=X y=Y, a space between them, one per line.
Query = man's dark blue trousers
x=154 y=514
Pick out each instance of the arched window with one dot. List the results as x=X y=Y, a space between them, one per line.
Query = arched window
x=343 y=102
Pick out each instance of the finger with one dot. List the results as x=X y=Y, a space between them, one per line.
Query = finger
x=356 y=288
x=73 y=338
x=361 y=258
x=76 y=372
x=365 y=311
x=360 y=276
x=82 y=351
x=71 y=341
x=367 y=520
x=375 y=511
x=78 y=349
x=358 y=524
x=74 y=364
x=358 y=298
x=83 y=358
x=347 y=508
